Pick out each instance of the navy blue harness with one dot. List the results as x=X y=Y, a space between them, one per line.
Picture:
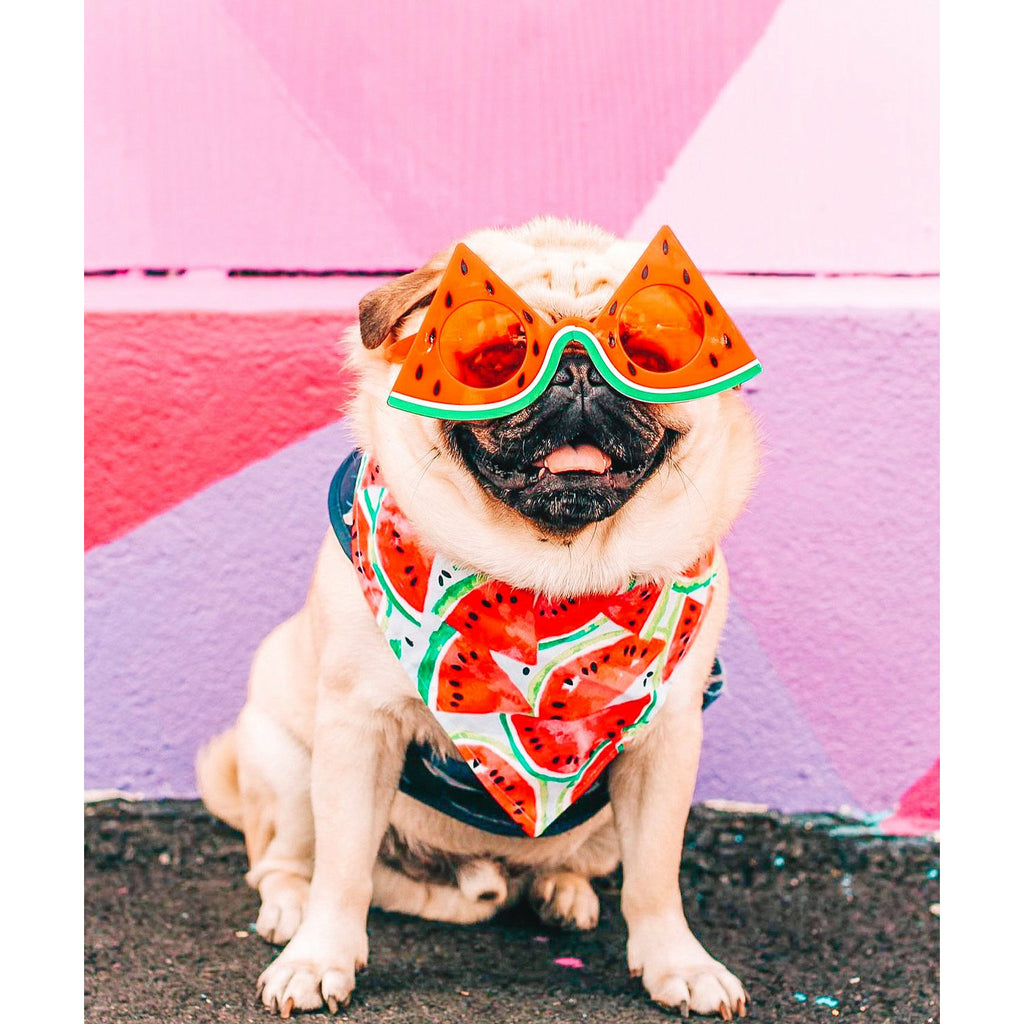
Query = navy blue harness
x=447 y=783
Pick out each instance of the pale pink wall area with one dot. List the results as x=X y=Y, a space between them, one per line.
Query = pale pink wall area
x=197 y=154
x=315 y=134
x=794 y=135
x=822 y=151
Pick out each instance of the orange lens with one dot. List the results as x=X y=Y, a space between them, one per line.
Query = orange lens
x=483 y=344
x=661 y=328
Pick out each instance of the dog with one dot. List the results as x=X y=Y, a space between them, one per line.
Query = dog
x=582 y=491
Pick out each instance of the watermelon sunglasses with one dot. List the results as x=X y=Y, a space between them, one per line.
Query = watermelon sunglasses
x=482 y=352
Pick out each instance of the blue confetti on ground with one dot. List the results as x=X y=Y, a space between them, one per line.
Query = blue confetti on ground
x=779 y=861
x=800 y=997
x=830 y=1001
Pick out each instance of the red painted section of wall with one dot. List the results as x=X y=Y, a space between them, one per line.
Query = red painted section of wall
x=917 y=812
x=176 y=401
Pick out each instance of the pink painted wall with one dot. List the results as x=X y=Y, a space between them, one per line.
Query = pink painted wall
x=786 y=135
x=774 y=135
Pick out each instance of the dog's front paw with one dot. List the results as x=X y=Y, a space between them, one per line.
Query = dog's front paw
x=282 y=902
x=310 y=973
x=698 y=988
x=566 y=899
x=683 y=976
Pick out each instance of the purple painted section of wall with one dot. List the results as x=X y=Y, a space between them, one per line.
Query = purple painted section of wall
x=174 y=612
x=758 y=747
x=831 y=648
x=837 y=560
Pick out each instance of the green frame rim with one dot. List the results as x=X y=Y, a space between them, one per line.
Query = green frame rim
x=441 y=410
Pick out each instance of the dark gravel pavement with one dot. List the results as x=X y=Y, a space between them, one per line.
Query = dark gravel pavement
x=819 y=926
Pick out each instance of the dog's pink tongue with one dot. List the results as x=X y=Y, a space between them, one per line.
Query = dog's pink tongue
x=584 y=459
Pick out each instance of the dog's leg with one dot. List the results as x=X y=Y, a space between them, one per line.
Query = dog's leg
x=356 y=762
x=277 y=820
x=651 y=789
x=564 y=896
x=566 y=899
x=401 y=894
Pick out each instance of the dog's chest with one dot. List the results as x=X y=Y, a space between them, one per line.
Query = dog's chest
x=537 y=695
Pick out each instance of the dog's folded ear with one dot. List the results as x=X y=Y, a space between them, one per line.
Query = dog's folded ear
x=385 y=307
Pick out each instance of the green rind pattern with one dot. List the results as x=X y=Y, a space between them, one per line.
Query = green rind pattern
x=455 y=593
x=523 y=758
x=426 y=675
x=444 y=410
x=683 y=588
x=604 y=633
x=568 y=638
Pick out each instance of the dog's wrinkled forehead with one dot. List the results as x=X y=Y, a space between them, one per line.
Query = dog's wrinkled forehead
x=558 y=267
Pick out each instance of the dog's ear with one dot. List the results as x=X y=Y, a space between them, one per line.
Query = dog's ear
x=383 y=308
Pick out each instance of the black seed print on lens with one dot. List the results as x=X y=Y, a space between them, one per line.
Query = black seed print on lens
x=419 y=372
x=522 y=380
x=437 y=387
x=448 y=300
x=645 y=272
x=463 y=267
x=489 y=287
x=614 y=306
x=664 y=246
x=727 y=341
x=686 y=277
x=527 y=317
x=714 y=360
x=708 y=309
x=632 y=368
x=432 y=337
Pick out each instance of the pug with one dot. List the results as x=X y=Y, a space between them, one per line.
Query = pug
x=536 y=472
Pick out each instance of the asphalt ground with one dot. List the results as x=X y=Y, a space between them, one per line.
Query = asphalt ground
x=820 y=920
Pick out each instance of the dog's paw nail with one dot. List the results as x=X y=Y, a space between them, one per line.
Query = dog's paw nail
x=684 y=1008
x=741 y=1006
x=725 y=1011
x=332 y=1004
x=636 y=972
x=286 y=1010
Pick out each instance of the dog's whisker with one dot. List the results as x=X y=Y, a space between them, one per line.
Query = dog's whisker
x=436 y=455
x=432 y=450
x=688 y=483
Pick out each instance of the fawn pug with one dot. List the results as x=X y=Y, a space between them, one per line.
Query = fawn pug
x=494 y=690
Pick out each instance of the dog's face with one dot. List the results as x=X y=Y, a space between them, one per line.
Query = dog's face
x=582 y=456
x=573 y=457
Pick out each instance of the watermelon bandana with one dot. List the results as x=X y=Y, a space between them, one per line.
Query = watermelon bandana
x=537 y=695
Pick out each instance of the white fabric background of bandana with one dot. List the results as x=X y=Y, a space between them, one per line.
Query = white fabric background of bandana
x=420 y=639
